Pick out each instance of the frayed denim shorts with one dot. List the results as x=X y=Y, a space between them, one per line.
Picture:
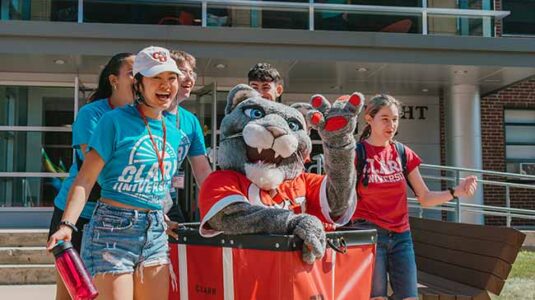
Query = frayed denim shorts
x=119 y=240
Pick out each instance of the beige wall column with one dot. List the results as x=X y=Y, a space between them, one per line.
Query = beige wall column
x=463 y=143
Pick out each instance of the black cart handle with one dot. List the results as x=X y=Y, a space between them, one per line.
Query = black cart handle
x=339 y=245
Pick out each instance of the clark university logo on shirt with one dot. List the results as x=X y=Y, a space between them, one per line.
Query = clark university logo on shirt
x=142 y=178
x=384 y=171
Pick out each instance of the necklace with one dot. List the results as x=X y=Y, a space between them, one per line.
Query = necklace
x=154 y=145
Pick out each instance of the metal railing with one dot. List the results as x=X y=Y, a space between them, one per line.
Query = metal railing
x=423 y=11
x=458 y=207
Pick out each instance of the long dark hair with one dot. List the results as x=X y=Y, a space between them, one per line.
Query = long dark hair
x=373 y=107
x=136 y=88
x=104 y=88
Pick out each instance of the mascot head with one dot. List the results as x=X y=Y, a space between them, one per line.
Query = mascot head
x=265 y=140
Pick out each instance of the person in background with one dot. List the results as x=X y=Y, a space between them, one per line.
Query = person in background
x=114 y=90
x=331 y=19
x=266 y=80
x=382 y=198
x=191 y=136
x=133 y=153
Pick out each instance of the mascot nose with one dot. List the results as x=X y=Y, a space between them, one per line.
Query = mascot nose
x=276 y=131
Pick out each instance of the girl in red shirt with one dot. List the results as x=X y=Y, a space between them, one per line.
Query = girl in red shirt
x=382 y=199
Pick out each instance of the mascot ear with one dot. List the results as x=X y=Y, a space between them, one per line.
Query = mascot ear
x=238 y=94
x=303 y=108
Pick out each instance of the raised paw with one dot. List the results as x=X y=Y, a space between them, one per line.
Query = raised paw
x=335 y=123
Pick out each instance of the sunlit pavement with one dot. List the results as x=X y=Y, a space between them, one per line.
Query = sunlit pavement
x=28 y=292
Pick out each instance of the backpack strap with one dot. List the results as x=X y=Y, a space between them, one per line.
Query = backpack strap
x=361 y=162
x=400 y=149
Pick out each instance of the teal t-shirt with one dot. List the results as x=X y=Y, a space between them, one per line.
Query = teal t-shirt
x=191 y=137
x=131 y=174
x=82 y=130
x=188 y=125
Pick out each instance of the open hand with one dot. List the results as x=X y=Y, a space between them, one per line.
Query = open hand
x=336 y=123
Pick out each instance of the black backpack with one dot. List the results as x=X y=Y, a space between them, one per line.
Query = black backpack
x=361 y=162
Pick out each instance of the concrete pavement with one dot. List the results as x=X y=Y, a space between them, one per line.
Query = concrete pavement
x=28 y=292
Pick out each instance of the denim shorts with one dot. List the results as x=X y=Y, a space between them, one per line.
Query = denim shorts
x=395 y=257
x=119 y=240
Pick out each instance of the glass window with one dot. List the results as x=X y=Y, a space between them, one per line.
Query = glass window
x=462 y=4
x=36 y=106
x=519 y=138
x=35 y=136
x=452 y=25
x=28 y=191
x=39 y=10
x=521 y=21
x=257 y=16
x=142 y=12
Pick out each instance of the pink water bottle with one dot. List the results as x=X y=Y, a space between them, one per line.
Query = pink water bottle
x=73 y=272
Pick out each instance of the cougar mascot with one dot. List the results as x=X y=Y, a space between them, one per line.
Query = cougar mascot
x=262 y=187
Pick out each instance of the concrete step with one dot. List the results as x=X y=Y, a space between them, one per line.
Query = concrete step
x=27 y=274
x=23 y=237
x=25 y=255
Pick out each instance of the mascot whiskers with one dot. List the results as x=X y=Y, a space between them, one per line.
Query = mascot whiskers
x=262 y=187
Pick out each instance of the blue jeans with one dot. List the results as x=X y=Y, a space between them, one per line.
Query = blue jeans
x=118 y=240
x=395 y=257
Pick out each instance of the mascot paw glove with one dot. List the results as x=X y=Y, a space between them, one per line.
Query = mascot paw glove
x=310 y=230
x=335 y=123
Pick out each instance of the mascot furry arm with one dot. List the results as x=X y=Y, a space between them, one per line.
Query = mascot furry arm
x=262 y=187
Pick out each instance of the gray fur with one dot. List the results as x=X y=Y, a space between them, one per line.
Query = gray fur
x=238 y=94
x=243 y=218
x=339 y=152
x=232 y=148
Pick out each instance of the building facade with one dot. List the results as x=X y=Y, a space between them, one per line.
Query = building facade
x=462 y=68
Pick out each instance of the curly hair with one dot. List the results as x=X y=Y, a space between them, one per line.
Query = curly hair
x=264 y=72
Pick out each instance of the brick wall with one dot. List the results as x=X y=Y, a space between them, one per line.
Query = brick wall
x=498 y=24
x=519 y=95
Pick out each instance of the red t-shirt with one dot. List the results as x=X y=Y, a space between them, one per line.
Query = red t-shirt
x=384 y=201
x=304 y=194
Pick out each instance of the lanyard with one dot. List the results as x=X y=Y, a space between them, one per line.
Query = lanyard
x=160 y=158
x=178 y=118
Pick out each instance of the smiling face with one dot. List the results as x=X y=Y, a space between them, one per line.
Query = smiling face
x=270 y=90
x=385 y=123
x=160 y=90
x=188 y=82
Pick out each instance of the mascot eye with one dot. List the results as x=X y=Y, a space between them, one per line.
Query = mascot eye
x=254 y=113
x=294 y=125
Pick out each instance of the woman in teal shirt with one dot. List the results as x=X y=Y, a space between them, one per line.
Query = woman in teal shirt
x=114 y=90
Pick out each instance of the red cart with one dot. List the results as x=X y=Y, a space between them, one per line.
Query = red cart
x=270 y=267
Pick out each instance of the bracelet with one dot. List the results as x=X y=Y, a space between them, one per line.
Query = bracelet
x=68 y=224
x=452 y=192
